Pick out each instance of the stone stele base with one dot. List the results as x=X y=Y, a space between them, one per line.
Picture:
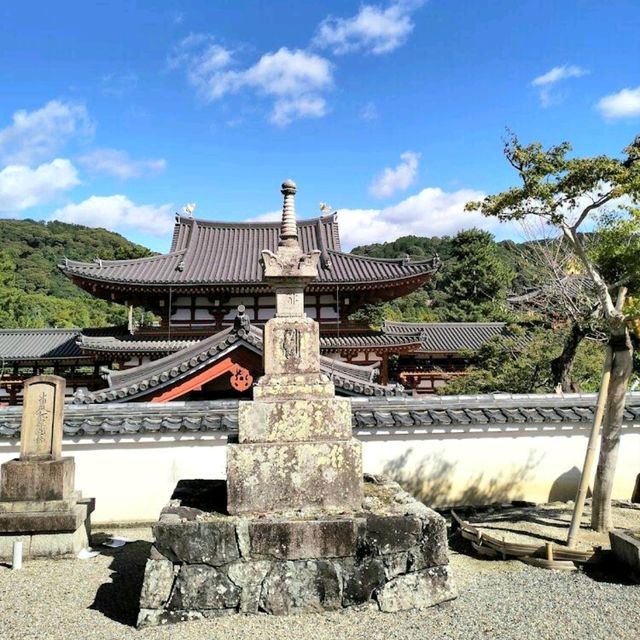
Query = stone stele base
x=39 y=507
x=390 y=555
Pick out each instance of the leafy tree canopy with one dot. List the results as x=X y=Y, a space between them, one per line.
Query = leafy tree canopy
x=522 y=364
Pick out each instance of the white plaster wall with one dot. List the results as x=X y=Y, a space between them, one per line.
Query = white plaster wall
x=485 y=469
x=133 y=477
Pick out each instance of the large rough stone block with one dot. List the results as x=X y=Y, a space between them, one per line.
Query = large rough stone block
x=249 y=577
x=291 y=345
x=289 y=476
x=300 y=539
x=418 y=590
x=208 y=542
x=37 y=479
x=299 y=587
x=159 y=575
x=361 y=579
x=380 y=555
x=625 y=546
x=434 y=549
x=199 y=586
x=393 y=533
x=294 y=420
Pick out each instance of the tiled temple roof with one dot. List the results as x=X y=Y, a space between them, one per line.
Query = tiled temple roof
x=370 y=340
x=550 y=414
x=448 y=337
x=25 y=345
x=228 y=253
x=145 y=345
x=38 y=345
x=138 y=382
x=132 y=344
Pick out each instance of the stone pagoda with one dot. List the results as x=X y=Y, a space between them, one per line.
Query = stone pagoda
x=294 y=528
x=296 y=434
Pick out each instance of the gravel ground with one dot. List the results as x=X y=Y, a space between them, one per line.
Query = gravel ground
x=97 y=598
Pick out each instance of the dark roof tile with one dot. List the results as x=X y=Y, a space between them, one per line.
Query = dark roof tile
x=229 y=253
x=39 y=344
x=448 y=337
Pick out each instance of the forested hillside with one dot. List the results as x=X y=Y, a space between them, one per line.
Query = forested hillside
x=471 y=285
x=33 y=291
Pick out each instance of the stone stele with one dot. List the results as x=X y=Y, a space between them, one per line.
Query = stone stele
x=38 y=502
x=294 y=528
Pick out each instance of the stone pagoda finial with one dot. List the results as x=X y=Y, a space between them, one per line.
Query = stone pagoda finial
x=289 y=261
x=289 y=229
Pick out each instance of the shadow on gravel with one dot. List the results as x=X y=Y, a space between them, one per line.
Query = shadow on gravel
x=119 y=599
x=609 y=572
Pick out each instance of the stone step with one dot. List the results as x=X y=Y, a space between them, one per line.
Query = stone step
x=43 y=521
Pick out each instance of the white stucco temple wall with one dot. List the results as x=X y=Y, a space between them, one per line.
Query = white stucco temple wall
x=133 y=476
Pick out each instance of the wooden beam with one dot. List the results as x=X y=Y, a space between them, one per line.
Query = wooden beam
x=195 y=383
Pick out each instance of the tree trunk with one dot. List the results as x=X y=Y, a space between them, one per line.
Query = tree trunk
x=562 y=365
x=621 y=369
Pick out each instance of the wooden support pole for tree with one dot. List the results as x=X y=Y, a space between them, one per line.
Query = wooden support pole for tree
x=587 y=469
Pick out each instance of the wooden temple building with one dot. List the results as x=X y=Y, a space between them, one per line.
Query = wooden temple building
x=196 y=289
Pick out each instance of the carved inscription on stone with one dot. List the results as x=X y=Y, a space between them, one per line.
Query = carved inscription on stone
x=43 y=420
x=41 y=430
x=290 y=303
x=291 y=343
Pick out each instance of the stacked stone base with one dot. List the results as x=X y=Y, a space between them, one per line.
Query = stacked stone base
x=390 y=555
x=39 y=508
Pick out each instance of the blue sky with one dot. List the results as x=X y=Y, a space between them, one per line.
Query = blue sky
x=118 y=114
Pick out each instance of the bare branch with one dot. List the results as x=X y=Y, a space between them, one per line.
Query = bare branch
x=589 y=208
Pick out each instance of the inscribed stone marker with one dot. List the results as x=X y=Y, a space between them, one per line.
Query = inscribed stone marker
x=42 y=416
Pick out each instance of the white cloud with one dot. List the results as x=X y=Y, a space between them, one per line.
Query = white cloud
x=547 y=81
x=118 y=212
x=22 y=187
x=369 y=112
x=373 y=29
x=430 y=212
x=35 y=136
x=557 y=74
x=294 y=79
x=397 y=179
x=200 y=55
x=624 y=104
x=117 y=163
